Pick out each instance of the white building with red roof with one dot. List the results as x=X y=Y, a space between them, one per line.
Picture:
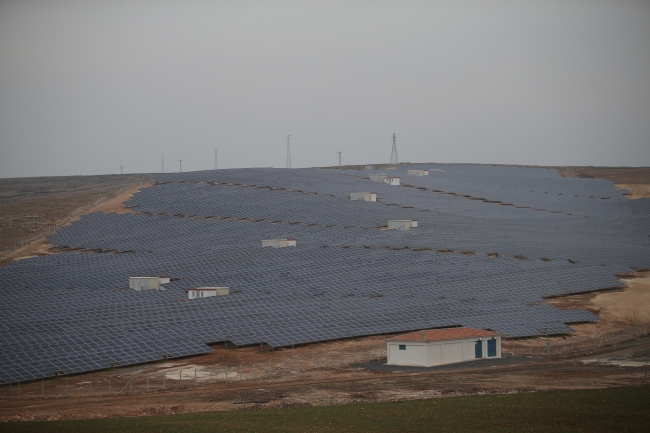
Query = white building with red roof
x=443 y=346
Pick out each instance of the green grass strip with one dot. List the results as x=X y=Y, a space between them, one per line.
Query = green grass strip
x=624 y=409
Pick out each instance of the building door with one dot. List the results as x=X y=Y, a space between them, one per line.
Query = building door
x=492 y=347
x=478 y=349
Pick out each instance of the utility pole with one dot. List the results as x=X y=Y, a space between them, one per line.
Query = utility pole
x=340 y=160
x=180 y=165
x=394 y=159
x=162 y=163
x=288 y=151
x=121 y=170
x=216 y=165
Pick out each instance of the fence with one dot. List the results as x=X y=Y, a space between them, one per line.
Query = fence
x=44 y=231
x=108 y=383
x=558 y=347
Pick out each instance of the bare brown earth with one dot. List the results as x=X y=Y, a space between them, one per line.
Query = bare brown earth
x=41 y=247
x=28 y=204
x=351 y=385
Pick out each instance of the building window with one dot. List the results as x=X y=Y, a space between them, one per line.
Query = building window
x=402 y=347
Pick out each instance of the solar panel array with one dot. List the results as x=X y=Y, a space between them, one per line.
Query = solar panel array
x=490 y=244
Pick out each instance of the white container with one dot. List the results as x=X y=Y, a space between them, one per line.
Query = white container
x=164 y=280
x=378 y=177
x=206 y=292
x=418 y=172
x=402 y=224
x=364 y=196
x=392 y=180
x=279 y=243
x=144 y=283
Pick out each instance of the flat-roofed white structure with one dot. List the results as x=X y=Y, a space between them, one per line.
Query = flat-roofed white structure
x=164 y=279
x=206 y=292
x=378 y=177
x=392 y=180
x=365 y=196
x=443 y=346
x=144 y=283
x=418 y=172
x=279 y=243
x=402 y=224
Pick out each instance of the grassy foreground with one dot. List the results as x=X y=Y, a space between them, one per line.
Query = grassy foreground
x=616 y=409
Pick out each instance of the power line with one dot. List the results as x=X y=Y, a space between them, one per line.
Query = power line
x=288 y=151
x=394 y=159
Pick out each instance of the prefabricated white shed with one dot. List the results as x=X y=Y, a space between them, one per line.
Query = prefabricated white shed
x=402 y=224
x=418 y=172
x=144 y=283
x=164 y=279
x=365 y=196
x=206 y=292
x=378 y=177
x=443 y=346
x=279 y=243
x=392 y=180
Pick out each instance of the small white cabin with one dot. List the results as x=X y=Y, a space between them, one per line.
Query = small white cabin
x=365 y=196
x=279 y=243
x=144 y=283
x=418 y=172
x=206 y=292
x=443 y=346
x=402 y=224
x=164 y=279
x=378 y=177
x=392 y=180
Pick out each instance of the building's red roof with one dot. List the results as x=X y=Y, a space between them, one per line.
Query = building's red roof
x=443 y=334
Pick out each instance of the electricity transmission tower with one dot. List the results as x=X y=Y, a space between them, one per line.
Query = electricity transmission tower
x=162 y=163
x=340 y=160
x=180 y=165
x=394 y=159
x=216 y=165
x=288 y=151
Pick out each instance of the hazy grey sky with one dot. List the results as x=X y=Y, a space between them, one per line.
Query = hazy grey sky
x=87 y=86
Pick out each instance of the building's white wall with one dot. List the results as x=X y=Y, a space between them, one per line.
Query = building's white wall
x=278 y=243
x=414 y=354
x=452 y=352
x=163 y=280
x=435 y=354
x=378 y=177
